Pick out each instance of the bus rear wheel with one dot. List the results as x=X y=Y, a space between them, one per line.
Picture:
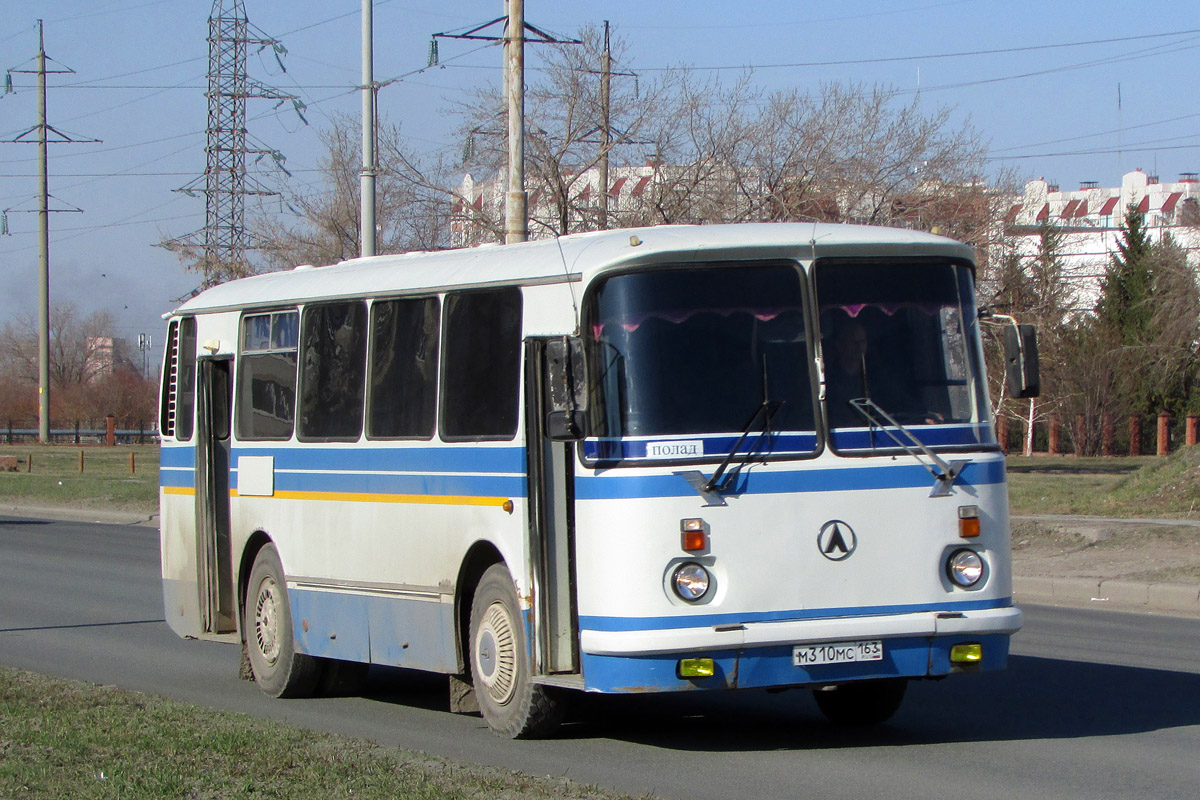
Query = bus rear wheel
x=861 y=704
x=511 y=704
x=267 y=624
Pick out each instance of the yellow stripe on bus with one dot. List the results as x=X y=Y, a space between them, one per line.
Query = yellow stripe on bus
x=364 y=497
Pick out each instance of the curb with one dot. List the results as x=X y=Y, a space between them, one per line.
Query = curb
x=1112 y=593
x=97 y=515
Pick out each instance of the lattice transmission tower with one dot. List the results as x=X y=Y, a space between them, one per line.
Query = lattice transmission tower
x=220 y=249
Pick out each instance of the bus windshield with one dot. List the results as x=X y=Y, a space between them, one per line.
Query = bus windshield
x=701 y=350
x=903 y=336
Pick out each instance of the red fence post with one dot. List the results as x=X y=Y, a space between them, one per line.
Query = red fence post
x=1191 y=430
x=1053 y=446
x=1002 y=433
x=1164 y=433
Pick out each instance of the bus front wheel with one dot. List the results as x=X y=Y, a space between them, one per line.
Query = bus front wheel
x=511 y=704
x=267 y=624
x=863 y=703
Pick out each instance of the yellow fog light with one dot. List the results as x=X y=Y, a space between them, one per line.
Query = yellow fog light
x=966 y=653
x=696 y=668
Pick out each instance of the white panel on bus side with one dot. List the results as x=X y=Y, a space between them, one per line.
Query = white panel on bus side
x=256 y=476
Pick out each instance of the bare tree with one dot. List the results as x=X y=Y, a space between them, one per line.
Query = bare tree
x=412 y=208
x=727 y=152
x=86 y=362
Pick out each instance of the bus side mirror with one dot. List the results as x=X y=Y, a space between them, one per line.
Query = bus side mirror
x=566 y=384
x=1021 y=361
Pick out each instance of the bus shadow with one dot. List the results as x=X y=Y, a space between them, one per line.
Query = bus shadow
x=1036 y=698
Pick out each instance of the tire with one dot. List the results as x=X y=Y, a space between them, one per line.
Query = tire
x=511 y=704
x=862 y=704
x=267 y=626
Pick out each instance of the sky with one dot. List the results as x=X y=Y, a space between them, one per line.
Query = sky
x=1065 y=90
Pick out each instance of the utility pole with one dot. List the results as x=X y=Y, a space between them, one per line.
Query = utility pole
x=369 y=166
x=516 y=217
x=605 y=130
x=43 y=130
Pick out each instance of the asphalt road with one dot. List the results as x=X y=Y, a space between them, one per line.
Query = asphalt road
x=1095 y=704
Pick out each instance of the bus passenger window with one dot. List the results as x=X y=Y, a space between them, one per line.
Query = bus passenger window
x=403 y=379
x=179 y=380
x=333 y=363
x=481 y=377
x=266 y=401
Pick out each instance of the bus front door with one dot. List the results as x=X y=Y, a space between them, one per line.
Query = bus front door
x=551 y=527
x=218 y=609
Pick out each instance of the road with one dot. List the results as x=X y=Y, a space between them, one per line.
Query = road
x=1095 y=704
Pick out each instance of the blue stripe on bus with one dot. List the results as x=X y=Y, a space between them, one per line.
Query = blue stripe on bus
x=611 y=486
x=462 y=485
x=708 y=620
x=374 y=458
x=341 y=471
x=175 y=456
x=931 y=436
x=622 y=449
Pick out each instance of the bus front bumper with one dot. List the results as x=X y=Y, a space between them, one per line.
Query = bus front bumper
x=763 y=654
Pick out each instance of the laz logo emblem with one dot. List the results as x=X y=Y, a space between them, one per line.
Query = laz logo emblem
x=837 y=540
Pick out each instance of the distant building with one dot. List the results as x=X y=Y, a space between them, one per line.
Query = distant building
x=1091 y=217
x=105 y=355
x=478 y=212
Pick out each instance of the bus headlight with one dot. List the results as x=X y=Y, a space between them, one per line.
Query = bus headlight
x=964 y=567
x=690 y=581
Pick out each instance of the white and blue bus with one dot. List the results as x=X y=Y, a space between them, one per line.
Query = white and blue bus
x=648 y=460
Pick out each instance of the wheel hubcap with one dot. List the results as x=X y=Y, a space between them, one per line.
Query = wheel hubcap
x=496 y=654
x=266 y=625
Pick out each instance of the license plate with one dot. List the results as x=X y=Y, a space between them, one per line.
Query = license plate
x=808 y=655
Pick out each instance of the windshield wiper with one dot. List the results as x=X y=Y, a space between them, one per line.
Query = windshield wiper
x=944 y=473
x=713 y=489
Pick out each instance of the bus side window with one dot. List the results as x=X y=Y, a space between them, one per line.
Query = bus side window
x=481 y=374
x=179 y=380
x=403 y=373
x=333 y=364
x=266 y=401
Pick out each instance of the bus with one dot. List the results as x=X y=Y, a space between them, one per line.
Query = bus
x=648 y=460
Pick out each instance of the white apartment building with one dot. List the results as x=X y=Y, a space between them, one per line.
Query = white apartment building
x=1091 y=218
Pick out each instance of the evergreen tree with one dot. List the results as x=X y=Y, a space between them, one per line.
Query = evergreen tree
x=1125 y=307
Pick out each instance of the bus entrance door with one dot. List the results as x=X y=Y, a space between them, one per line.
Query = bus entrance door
x=551 y=526
x=218 y=610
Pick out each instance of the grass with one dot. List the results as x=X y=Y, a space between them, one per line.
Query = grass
x=62 y=739
x=105 y=482
x=1108 y=487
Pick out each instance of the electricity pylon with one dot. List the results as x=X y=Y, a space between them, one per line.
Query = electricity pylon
x=220 y=248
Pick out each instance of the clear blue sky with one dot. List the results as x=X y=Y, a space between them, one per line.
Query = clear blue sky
x=1038 y=79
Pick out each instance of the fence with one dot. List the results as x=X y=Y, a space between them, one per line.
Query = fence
x=109 y=435
x=1135 y=435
